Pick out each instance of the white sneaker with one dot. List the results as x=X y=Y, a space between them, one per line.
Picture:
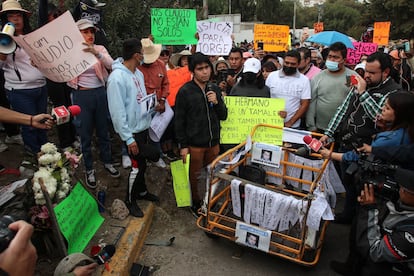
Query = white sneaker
x=3 y=147
x=15 y=139
x=126 y=161
x=160 y=163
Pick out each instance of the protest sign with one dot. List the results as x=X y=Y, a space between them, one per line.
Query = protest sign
x=181 y=182
x=317 y=27
x=246 y=112
x=361 y=48
x=78 y=218
x=253 y=236
x=58 y=52
x=381 y=32
x=173 y=26
x=160 y=122
x=275 y=38
x=214 y=38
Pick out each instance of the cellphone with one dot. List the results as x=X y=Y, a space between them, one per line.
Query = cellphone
x=260 y=45
x=407 y=46
x=351 y=80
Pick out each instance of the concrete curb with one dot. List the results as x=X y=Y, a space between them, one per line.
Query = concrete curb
x=130 y=244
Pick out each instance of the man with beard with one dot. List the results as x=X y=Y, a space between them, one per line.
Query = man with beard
x=354 y=120
x=292 y=86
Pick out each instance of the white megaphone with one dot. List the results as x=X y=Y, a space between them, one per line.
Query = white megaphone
x=7 y=44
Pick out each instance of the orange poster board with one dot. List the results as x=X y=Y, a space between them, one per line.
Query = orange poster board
x=381 y=32
x=275 y=38
x=317 y=27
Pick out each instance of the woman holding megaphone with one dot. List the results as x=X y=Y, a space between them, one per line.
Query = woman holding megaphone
x=25 y=85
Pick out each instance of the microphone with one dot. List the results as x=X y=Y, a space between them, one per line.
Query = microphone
x=313 y=143
x=209 y=87
x=105 y=254
x=62 y=115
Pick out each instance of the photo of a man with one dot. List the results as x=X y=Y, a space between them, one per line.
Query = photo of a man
x=266 y=155
x=252 y=239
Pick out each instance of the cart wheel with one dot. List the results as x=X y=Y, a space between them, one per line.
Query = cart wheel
x=211 y=236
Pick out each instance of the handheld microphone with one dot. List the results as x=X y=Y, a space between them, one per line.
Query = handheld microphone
x=209 y=87
x=313 y=143
x=105 y=254
x=62 y=115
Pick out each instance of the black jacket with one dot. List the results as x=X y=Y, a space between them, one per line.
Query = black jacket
x=197 y=123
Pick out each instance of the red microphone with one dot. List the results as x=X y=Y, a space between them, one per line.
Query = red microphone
x=313 y=143
x=62 y=115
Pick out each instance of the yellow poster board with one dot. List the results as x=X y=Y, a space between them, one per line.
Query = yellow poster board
x=275 y=38
x=246 y=112
x=181 y=182
x=381 y=32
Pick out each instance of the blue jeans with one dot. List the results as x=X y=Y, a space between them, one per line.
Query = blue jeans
x=30 y=101
x=94 y=114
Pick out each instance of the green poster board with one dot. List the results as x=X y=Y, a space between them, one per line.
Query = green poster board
x=174 y=26
x=78 y=218
x=246 y=112
x=181 y=182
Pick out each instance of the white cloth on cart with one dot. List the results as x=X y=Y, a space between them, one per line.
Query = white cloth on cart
x=235 y=197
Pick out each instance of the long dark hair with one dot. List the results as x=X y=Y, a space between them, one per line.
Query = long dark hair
x=402 y=103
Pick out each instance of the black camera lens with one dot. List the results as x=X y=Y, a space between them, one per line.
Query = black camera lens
x=6 y=235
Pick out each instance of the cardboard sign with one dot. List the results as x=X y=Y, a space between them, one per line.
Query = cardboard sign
x=275 y=38
x=214 y=38
x=361 y=48
x=317 y=27
x=381 y=32
x=253 y=236
x=58 y=52
x=246 y=112
x=78 y=218
x=181 y=182
x=174 y=26
x=266 y=154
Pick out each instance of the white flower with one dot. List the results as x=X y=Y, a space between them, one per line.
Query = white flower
x=49 y=148
x=60 y=194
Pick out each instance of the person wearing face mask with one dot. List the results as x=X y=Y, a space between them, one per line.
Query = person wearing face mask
x=355 y=118
x=328 y=89
x=252 y=83
x=289 y=84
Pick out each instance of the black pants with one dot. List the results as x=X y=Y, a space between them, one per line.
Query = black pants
x=11 y=129
x=147 y=151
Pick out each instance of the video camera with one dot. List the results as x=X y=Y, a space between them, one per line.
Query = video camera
x=380 y=175
x=6 y=235
x=222 y=74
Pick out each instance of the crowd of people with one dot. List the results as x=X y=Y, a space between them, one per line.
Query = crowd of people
x=374 y=112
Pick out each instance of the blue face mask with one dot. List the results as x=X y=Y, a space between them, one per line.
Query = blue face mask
x=332 y=65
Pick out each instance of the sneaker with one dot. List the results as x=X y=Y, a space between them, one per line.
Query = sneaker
x=15 y=139
x=160 y=164
x=134 y=209
x=3 y=147
x=132 y=175
x=126 y=162
x=90 y=179
x=112 y=171
x=148 y=196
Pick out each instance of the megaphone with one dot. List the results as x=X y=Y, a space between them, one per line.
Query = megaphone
x=7 y=44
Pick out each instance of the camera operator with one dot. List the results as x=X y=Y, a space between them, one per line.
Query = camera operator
x=390 y=242
x=20 y=256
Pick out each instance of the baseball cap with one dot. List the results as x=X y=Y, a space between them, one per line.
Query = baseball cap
x=252 y=65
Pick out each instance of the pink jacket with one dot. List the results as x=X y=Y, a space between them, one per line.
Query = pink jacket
x=101 y=67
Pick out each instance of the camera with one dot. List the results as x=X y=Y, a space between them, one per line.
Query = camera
x=351 y=141
x=222 y=74
x=6 y=235
x=381 y=176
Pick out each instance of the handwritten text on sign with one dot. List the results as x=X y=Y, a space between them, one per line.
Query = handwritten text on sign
x=57 y=52
x=246 y=112
x=361 y=48
x=381 y=32
x=214 y=37
x=78 y=218
x=275 y=38
x=173 y=26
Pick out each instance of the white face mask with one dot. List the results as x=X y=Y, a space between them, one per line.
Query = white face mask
x=332 y=65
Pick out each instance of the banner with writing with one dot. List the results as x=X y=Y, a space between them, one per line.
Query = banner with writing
x=58 y=52
x=361 y=48
x=214 y=38
x=78 y=218
x=317 y=27
x=275 y=38
x=246 y=112
x=181 y=182
x=381 y=32
x=174 y=26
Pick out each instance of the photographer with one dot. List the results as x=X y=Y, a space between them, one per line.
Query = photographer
x=20 y=256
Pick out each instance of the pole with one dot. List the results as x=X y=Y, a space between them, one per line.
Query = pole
x=294 y=19
x=205 y=9
x=229 y=6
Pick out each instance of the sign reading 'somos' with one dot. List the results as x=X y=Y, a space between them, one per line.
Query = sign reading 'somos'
x=214 y=38
x=58 y=52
